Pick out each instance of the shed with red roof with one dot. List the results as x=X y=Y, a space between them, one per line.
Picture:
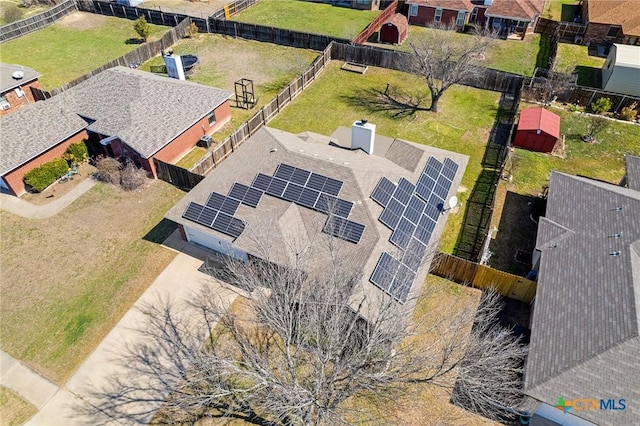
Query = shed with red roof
x=538 y=130
x=394 y=30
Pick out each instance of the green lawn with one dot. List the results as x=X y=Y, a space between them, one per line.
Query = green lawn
x=340 y=97
x=308 y=17
x=561 y=10
x=63 y=52
x=514 y=56
x=603 y=160
x=575 y=58
x=13 y=409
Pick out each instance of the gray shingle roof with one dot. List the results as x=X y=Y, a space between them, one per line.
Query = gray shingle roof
x=633 y=172
x=584 y=341
x=7 y=82
x=144 y=110
x=32 y=130
x=271 y=224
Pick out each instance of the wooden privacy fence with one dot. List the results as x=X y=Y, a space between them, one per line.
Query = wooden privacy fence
x=263 y=116
x=182 y=178
x=152 y=16
x=131 y=59
x=387 y=13
x=232 y=9
x=36 y=22
x=585 y=96
x=483 y=277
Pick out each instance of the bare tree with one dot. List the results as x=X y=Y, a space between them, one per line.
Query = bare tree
x=596 y=124
x=305 y=340
x=445 y=57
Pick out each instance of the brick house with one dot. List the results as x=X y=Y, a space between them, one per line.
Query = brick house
x=509 y=18
x=123 y=112
x=16 y=82
x=616 y=21
x=429 y=12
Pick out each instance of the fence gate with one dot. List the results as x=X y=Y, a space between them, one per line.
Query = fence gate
x=182 y=178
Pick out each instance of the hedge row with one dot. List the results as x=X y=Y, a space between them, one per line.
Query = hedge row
x=41 y=177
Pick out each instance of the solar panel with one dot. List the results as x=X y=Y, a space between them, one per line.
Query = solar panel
x=433 y=168
x=402 y=283
x=277 y=187
x=207 y=216
x=230 y=206
x=325 y=203
x=391 y=215
x=238 y=191
x=308 y=198
x=215 y=201
x=228 y=225
x=449 y=169
x=425 y=186
x=402 y=234
x=423 y=233
x=292 y=193
x=383 y=191
x=343 y=228
x=432 y=212
x=252 y=197
x=235 y=228
x=193 y=211
x=384 y=271
x=316 y=181
x=414 y=209
x=404 y=190
x=332 y=186
x=262 y=181
x=300 y=176
x=413 y=255
x=284 y=171
x=436 y=201
x=442 y=188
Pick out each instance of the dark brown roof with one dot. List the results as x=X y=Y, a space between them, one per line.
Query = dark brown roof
x=399 y=20
x=625 y=13
x=445 y=4
x=518 y=9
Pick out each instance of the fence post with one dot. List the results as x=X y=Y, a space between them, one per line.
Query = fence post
x=620 y=104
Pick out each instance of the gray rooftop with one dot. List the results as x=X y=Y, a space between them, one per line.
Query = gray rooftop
x=585 y=341
x=144 y=110
x=275 y=222
x=633 y=172
x=31 y=130
x=7 y=82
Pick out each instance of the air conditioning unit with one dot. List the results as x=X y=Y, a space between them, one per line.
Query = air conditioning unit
x=5 y=106
x=19 y=92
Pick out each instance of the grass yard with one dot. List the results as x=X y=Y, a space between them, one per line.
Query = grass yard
x=341 y=97
x=224 y=60
x=67 y=280
x=575 y=58
x=561 y=10
x=73 y=46
x=9 y=7
x=519 y=57
x=603 y=160
x=13 y=409
x=308 y=17
x=198 y=8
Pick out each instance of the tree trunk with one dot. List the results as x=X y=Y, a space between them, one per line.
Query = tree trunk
x=434 y=102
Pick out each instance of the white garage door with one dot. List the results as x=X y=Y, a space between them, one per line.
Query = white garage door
x=214 y=243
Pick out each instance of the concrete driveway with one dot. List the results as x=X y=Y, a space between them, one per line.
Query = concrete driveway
x=179 y=281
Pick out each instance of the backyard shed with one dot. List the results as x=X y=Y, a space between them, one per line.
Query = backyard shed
x=538 y=130
x=394 y=30
x=621 y=70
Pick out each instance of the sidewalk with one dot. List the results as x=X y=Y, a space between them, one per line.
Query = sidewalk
x=21 y=379
x=31 y=211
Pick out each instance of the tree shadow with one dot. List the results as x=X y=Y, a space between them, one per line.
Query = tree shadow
x=393 y=102
x=589 y=76
x=569 y=12
x=542 y=59
x=134 y=40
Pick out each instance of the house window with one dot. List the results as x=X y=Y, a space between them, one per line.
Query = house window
x=614 y=31
x=474 y=15
x=364 y=2
x=438 y=15
x=4 y=103
x=461 y=16
x=413 y=10
x=212 y=118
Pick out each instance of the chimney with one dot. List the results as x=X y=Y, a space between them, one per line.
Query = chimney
x=363 y=135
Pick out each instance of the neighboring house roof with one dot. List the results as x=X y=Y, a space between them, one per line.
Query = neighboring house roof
x=525 y=10
x=399 y=20
x=627 y=56
x=271 y=224
x=585 y=329
x=633 y=172
x=625 y=13
x=7 y=80
x=34 y=129
x=539 y=119
x=144 y=110
x=445 y=4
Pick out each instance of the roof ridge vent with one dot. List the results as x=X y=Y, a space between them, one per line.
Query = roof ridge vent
x=615 y=253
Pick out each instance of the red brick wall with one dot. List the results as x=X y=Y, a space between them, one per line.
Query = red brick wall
x=14 y=178
x=187 y=140
x=426 y=16
x=18 y=102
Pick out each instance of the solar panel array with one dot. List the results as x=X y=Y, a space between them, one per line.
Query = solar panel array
x=411 y=212
x=305 y=188
x=313 y=191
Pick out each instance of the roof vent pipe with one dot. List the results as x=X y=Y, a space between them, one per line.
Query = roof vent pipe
x=363 y=135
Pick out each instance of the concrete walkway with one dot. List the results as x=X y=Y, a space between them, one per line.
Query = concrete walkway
x=178 y=281
x=21 y=379
x=32 y=211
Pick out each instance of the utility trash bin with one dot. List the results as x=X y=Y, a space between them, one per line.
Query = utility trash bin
x=205 y=141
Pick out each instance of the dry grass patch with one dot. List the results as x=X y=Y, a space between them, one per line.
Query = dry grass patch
x=68 y=279
x=13 y=409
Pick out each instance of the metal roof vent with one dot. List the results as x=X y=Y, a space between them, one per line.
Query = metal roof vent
x=17 y=75
x=615 y=253
x=363 y=135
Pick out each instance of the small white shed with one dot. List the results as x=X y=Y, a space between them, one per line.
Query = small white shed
x=621 y=70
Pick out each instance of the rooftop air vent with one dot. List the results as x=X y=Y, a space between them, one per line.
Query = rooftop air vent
x=17 y=75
